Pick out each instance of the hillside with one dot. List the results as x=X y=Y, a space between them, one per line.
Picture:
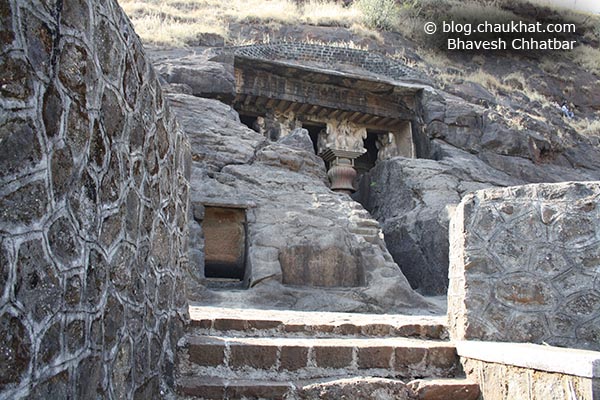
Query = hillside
x=520 y=88
x=491 y=118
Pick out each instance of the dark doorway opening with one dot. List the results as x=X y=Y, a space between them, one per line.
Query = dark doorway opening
x=313 y=130
x=225 y=243
x=249 y=121
x=367 y=161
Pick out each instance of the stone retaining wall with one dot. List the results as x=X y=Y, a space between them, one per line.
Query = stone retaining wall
x=508 y=371
x=329 y=55
x=507 y=382
x=93 y=207
x=525 y=265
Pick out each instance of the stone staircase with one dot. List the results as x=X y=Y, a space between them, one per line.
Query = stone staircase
x=361 y=223
x=266 y=354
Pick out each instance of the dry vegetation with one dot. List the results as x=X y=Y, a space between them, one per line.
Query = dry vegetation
x=179 y=22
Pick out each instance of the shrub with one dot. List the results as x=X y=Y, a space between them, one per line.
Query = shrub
x=379 y=14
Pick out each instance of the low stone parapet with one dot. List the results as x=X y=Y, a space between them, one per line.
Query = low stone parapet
x=525 y=265
x=529 y=371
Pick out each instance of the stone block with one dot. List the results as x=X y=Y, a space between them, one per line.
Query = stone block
x=293 y=358
x=207 y=388
x=374 y=357
x=446 y=389
x=229 y=324
x=253 y=356
x=536 y=284
x=256 y=390
x=408 y=356
x=311 y=264
x=207 y=352
x=333 y=357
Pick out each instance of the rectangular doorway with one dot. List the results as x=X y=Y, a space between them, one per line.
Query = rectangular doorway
x=224 y=243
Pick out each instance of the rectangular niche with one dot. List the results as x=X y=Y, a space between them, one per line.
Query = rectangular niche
x=224 y=242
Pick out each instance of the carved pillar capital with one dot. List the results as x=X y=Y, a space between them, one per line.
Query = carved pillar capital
x=342 y=135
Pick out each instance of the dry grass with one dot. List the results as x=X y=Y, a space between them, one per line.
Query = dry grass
x=588 y=57
x=329 y=13
x=178 y=22
x=586 y=127
x=488 y=81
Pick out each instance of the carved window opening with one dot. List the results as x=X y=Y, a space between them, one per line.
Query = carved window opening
x=225 y=231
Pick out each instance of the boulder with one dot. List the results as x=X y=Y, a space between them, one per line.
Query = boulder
x=204 y=77
x=298 y=138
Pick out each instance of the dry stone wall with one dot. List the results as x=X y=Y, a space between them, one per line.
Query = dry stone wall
x=525 y=265
x=330 y=56
x=93 y=207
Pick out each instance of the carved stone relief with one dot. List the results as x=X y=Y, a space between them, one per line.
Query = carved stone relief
x=342 y=135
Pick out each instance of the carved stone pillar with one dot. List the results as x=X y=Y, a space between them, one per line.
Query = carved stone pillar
x=339 y=145
x=341 y=169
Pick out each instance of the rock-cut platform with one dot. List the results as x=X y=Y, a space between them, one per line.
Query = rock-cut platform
x=273 y=354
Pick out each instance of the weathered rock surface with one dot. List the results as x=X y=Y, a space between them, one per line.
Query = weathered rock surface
x=202 y=76
x=471 y=139
x=413 y=200
x=472 y=149
x=524 y=265
x=291 y=212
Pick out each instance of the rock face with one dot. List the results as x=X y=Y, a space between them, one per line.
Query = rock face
x=524 y=265
x=413 y=200
x=470 y=150
x=196 y=71
x=308 y=248
x=463 y=141
x=93 y=207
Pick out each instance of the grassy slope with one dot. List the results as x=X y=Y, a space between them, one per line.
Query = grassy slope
x=527 y=88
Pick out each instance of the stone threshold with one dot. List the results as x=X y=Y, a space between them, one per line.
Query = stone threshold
x=582 y=363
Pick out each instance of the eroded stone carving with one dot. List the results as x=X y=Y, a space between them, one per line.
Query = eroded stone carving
x=342 y=135
x=386 y=146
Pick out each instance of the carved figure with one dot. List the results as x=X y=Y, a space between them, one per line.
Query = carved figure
x=342 y=136
x=386 y=146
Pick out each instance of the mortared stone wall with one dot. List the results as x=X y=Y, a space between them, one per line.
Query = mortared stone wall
x=93 y=207
x=525 y=265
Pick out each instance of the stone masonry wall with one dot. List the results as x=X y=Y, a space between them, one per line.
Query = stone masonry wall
x=507 y=382
x=93 y=207
x=525 y=265
x=329 y=55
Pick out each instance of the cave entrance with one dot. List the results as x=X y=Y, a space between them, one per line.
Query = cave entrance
x=225 y=231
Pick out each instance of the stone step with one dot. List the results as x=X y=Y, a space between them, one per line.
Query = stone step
x=308 y=358
x=445 y=389
x=364 y=231
x=253 y=322
x=211 y=387
x=356 y=388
